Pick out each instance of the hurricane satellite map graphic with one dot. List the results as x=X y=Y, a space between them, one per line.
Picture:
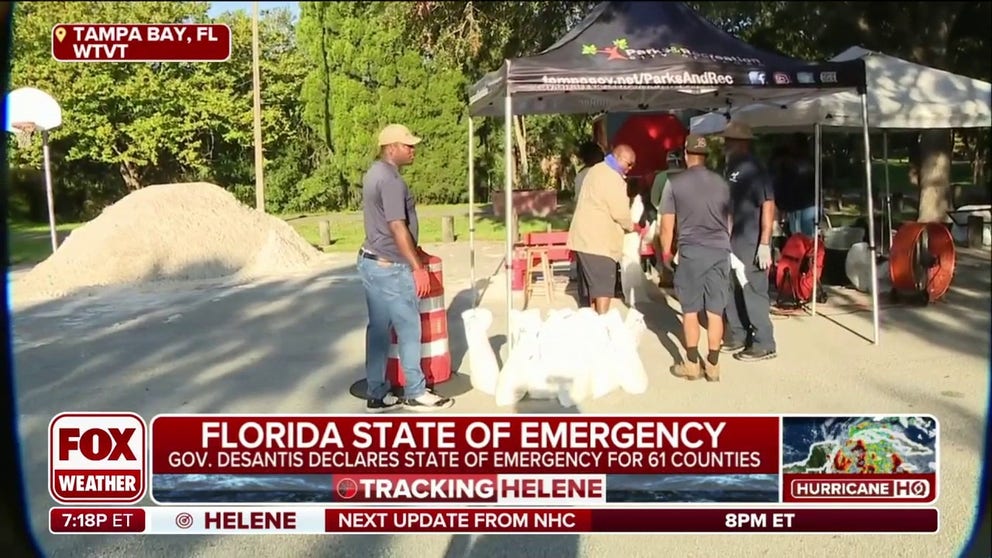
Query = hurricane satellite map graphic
x=859 y=445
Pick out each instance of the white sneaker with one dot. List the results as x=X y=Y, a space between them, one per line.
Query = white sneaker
x=428 y=402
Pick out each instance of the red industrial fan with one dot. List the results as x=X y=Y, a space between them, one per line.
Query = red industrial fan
x=921 y=262
x=794 y=273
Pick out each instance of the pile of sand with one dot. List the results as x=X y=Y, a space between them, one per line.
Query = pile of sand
x=169 y=232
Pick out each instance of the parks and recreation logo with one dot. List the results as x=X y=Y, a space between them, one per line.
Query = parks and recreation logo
x=620 y=50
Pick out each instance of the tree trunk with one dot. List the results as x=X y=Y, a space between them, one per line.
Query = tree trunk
x=935 y=175
x=523 y=165
x=978 y=160
x=131 y=176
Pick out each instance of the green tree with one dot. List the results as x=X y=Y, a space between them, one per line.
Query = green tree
x=950 y=36
x=365 y=75
x=141 y=118
x=127 y=125
x=477 y=37
x=288 y=145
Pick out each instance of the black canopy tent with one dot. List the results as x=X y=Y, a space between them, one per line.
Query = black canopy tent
x=646 y=56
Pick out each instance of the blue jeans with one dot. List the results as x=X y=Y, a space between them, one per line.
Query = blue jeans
x=802 y=221
x=392 y=301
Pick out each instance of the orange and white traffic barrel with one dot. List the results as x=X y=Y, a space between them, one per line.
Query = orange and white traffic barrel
x=435 y=356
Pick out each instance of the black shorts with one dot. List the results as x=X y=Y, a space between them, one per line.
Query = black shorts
x=599 y=274
x=702 y=279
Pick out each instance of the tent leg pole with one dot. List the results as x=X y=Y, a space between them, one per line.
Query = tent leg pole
x=888 y=192
x=817 y=203
x=508 y=207
x=872 y=248
x=471 y=211
x=48 y=190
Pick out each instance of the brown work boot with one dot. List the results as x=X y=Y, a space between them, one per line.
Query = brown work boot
x=711 y=371
x=687 y=370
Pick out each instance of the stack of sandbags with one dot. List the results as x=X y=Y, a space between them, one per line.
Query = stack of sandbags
x=572 y=356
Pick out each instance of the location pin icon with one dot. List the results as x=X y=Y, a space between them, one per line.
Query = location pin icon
x=60 y=33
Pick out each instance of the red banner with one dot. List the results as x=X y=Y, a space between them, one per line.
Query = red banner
x=345 y=444
x=89 y=42
x=308 y=520
x=96 y=520
x=642 y=520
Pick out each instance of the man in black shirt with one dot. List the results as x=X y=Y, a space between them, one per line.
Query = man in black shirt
x=699 y=200
x=750 y=335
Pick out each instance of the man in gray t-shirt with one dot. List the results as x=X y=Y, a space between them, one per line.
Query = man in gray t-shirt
x=395 y=278
x=698 y=201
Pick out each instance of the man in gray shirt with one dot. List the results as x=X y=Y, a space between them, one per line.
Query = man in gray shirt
x=394 y=276
x=698 y=199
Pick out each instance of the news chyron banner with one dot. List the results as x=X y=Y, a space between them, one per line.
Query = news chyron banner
x=517 y=473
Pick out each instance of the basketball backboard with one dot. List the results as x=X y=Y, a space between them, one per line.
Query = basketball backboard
x=28 y=104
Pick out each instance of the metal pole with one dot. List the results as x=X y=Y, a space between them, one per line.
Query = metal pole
x=817 y=203
x=888 y=192
x=257 y=91
x=508 y=201
x=873 y=250
x=471 y=209
x=48 y=190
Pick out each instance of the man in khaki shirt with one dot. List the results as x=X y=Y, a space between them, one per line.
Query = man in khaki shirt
x=602 y=217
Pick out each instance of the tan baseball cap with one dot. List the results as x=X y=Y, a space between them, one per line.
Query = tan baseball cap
x=696 y=144
x=737 y=130
x=397 y=133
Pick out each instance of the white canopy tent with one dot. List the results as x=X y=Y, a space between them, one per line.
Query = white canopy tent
x=901 y=96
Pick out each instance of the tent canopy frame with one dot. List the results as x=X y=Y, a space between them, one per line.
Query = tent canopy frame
x=589 y=90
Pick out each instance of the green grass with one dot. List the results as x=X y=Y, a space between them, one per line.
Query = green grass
x=347 y=231
x=30 y=243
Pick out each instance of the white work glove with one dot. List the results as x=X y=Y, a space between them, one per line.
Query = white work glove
x=739 y=270
x=764 y=257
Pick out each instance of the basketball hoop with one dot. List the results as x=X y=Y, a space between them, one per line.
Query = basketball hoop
x=25 y=131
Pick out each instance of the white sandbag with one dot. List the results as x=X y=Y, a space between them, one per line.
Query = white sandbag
x=481 y=357
x=569 y=373
x=636 y=209
x=592 y=345
x=511 y=386
x=556 y=363
x=634 y=322
x=524 y=320
x=632 y=278
x=572 y=394
x=649 y=237
x=632 y=377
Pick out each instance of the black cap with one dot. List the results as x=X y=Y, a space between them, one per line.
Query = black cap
x=675 y=161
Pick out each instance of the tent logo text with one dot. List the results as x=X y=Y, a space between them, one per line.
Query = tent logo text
x=620 y=50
